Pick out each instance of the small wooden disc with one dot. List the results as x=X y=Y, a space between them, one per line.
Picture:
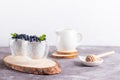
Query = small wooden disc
x=34 y=66
x=66 y=53
x=55 y=55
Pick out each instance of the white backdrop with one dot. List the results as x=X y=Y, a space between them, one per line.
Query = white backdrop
x=97 y=20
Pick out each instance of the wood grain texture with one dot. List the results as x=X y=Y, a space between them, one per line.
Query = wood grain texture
x=64 y=56
x=50 y=68
x=66 y=53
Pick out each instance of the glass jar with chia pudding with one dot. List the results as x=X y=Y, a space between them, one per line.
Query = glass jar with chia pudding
x=31 y=46
x=37 y=49
x=16 y=45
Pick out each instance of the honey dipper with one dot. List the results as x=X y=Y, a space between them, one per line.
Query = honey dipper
x=94 y=60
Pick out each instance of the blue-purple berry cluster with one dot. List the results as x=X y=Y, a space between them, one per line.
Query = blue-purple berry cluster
x=30 y=38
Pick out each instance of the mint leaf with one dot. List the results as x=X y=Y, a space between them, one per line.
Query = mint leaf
x=14 y=35
x=42 y=38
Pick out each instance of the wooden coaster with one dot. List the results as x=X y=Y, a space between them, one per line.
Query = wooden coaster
x=66 y=53
x=38 y=66
x=55 y=55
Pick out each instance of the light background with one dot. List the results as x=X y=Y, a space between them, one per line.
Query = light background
x=97 y=20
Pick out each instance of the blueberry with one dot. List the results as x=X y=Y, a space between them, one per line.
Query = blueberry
x=34 y=39
x=23 y=36
x=18 y=36
x=37 y=39
x=30 y=38
x=34 y=36
x=27 y=37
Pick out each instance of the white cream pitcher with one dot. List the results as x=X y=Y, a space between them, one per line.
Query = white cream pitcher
x=68 y=40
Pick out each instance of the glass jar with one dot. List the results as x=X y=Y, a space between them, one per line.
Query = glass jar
x=18 y=47
x=33 y=50
x=37 y=50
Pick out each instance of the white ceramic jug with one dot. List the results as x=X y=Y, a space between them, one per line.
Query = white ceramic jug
x=68 y=40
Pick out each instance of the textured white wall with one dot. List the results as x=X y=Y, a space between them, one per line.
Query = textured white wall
x=97 y=20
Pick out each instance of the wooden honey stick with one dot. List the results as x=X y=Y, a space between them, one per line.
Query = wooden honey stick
x=93 y=58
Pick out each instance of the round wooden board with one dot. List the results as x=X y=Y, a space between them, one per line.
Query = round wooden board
x=64 y=56
x=38 y=66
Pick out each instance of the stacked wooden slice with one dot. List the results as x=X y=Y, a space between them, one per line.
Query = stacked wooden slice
x=60 y=54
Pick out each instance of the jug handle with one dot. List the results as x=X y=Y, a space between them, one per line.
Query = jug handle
x=79 y=37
